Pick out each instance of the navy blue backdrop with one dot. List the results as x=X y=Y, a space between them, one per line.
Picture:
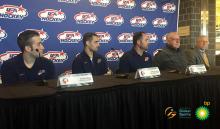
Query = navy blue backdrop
x=61 y=24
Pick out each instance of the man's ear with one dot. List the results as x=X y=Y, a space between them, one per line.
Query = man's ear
x=27 y=48
x=87 y=43
x=138 y=42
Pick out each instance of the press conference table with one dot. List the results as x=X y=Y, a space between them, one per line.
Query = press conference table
x=113 y=103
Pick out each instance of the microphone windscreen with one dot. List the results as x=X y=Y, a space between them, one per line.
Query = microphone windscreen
x=112 y=49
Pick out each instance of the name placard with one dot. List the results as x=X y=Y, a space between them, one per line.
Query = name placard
x=197 y=69
x=74 y=80
x=145 y=73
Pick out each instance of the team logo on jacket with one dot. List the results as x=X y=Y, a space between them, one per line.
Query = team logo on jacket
x=69 y=1
x=125 y=38
x=69 y=37
x=114 y=55
x=138 y=21
x=85 y=18
x=169 y=8
x=114 y=20
x=43 y=34
x=160 y=22
x=152 y=37
x=8 y=55
x=164 y=38
x=3 y=34
x=104 y=37
x=51 y=15
x=56 y=56
x=149 y=6
x=126 y=4
x=102 y=3
x=13 y=12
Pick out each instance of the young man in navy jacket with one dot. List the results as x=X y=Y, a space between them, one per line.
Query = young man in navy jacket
x=29 y=65
x=89 y=61
x=137 y=57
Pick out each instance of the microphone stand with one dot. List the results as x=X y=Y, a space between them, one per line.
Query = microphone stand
x=123 y=76
x=42 y=81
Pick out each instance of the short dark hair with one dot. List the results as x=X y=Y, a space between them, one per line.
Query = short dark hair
x=88 y=37
x=24 y=38
x=137 y=36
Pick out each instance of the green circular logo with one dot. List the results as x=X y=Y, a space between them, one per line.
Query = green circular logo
x=202 y=113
